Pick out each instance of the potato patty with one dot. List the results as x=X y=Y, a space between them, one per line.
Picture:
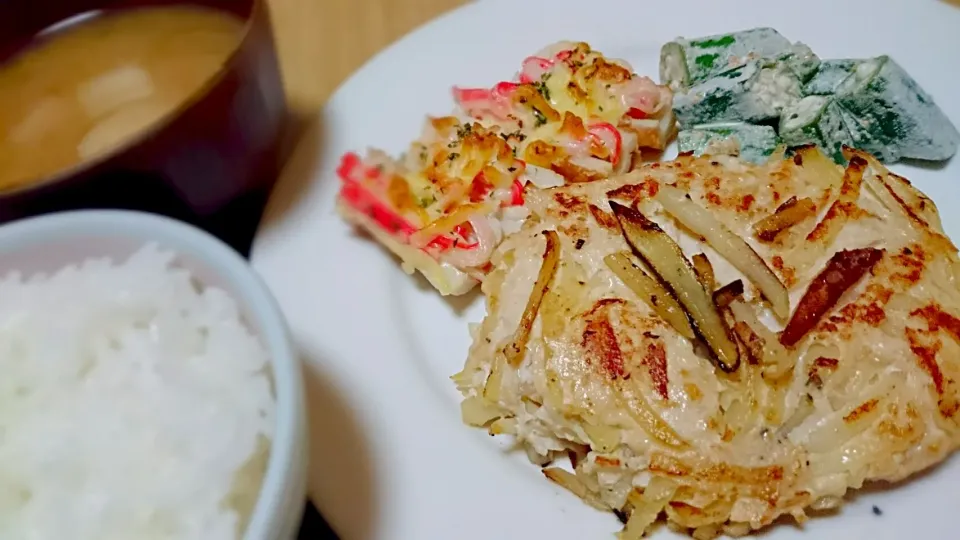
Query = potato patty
x=721 y=342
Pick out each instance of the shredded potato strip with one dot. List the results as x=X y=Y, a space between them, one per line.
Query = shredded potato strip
x=514 y=350
x=704 y=270
x=491 y=389
x=650 y=291
x=875 y=182
x=822 y=170
x=729 y=245
x=777 y=360
x=725 y=295
x=789 y=214
x=826 y=232
x=647 y=507
x=478 y=412
x=745 y=410
x=603 y=438
x=643 y=414
x=803 y=410
x=570 y=482
x=880 y=185
x=845 y=424
x=664 y=256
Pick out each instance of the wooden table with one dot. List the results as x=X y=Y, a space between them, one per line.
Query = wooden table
x=321 y=42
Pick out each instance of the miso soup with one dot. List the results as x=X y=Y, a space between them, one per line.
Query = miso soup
x=85 y=90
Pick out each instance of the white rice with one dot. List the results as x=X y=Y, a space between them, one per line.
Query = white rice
x=129 y=401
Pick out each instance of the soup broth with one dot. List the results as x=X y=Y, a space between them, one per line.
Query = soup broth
x=83 y=91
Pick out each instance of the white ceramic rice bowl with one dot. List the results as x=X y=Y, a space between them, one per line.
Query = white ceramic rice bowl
x=47 y=243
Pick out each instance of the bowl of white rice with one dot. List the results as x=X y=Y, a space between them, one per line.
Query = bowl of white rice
x=148 y=386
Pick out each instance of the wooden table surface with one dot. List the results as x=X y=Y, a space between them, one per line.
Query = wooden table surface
x=321 y=42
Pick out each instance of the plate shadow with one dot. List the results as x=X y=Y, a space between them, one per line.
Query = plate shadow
x=341 y=469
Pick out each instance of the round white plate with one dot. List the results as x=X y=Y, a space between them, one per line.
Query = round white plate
x=390 y=458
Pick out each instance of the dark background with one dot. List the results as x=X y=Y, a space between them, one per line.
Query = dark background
x=314 y=526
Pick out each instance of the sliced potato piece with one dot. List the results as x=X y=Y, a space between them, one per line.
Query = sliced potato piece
x=843 y=208
x=729 y=245
x=664 y=256
x=761 y=341
x=875 y=182
x=478 y=412
x=514 y=350
x=749 y=339
x=843 y=270
x=724 y=296
x=822 y=170
x=650 y=291
x=787 y=215
x=704 y=270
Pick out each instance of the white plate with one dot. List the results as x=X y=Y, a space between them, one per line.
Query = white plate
x=390 y=456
